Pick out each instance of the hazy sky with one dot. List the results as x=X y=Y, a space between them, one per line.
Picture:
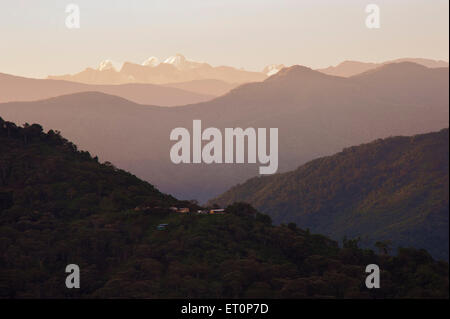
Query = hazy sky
x=34 y=40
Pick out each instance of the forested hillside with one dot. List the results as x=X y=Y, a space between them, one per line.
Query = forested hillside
x=59 y=206
x=395 y=189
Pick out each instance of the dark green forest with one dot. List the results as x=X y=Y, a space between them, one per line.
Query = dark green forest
x=393 y=190
x=60 y=206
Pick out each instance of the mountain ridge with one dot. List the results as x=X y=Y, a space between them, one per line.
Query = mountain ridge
x=390 y=189
x=173 y=69
x=316 y=116
x=350 y=68
x=15 y=88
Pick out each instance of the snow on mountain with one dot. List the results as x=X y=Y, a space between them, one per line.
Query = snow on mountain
x=272 y=69
x=173 y=69
x=106 y=65
x=180 y=62
x=151 y=61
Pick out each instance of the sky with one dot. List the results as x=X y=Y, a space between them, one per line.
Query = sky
x=250 y=34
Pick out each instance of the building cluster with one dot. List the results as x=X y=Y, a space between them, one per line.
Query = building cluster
x=185 y=210
x=180 y=210
x=162 y=226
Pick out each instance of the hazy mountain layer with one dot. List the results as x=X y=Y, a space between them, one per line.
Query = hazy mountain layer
x=14 y=88
x=206 y=87
x=316 y=114
x=350 y=68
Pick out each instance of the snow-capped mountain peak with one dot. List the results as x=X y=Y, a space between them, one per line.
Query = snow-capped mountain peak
x=151 y=61
x=176 y=60
x=273 y=69
x=106 y=65
x=180 y=62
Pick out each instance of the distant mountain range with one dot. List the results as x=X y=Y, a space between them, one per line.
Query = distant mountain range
x=173 y=69
x=179 y=81
x=350 y=68
x=317 y=115
x=178 y=68
x=393 y=189
x=14 y=88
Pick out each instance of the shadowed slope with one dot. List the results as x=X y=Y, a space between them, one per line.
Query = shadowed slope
x=393 y=189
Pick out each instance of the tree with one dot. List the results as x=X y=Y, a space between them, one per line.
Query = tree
x=383 y=246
